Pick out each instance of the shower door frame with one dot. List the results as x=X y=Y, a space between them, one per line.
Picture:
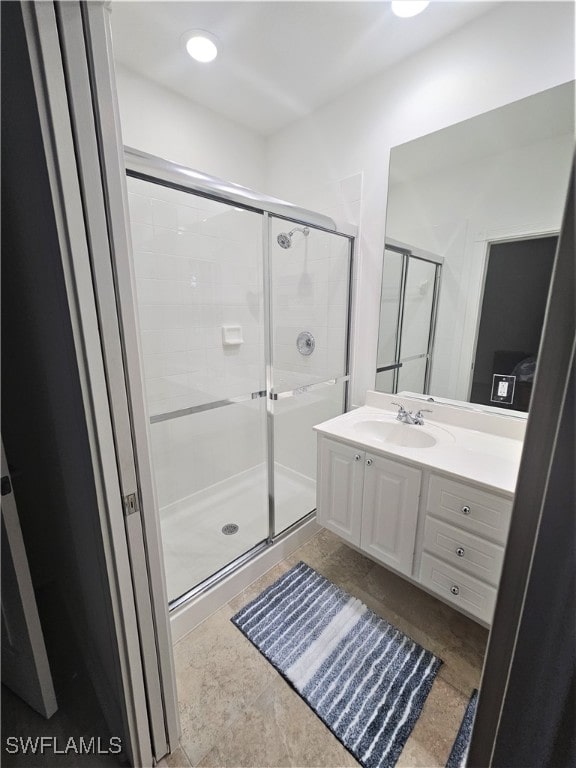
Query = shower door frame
x=156 y=170
x=409 y=252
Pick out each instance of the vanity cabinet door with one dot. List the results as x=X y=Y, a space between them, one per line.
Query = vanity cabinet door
x=340 y=480
x=390 y=512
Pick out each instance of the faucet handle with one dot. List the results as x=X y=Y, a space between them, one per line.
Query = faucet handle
x=419 y=416
x=403 y=414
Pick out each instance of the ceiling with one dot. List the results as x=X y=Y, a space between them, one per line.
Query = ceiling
x=278 y=61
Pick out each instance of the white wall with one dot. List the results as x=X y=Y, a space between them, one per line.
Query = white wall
x=516 y=50
x=165 y=124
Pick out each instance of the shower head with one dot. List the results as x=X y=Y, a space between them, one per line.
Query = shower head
x=285 y=238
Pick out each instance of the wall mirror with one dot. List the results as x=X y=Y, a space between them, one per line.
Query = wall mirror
x=472 y=220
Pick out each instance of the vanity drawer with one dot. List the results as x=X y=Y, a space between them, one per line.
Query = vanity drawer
x=464 y=550
x=480 y=512
x=458 y=588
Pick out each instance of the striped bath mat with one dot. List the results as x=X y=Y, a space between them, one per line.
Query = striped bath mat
x=365 y=679
x=459 y=751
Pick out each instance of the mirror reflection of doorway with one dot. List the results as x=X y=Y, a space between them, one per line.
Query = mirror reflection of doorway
x=513 y=305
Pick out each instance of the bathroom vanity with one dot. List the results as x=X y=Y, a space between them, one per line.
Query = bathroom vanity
x=432 y=502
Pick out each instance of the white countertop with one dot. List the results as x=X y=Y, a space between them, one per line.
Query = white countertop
x=490 y=458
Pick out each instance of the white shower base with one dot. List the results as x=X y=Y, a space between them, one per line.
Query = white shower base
x=193 y=542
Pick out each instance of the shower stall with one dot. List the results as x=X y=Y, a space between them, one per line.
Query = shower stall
x=244 y=307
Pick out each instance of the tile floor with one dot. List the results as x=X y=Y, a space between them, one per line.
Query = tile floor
x=237 y=711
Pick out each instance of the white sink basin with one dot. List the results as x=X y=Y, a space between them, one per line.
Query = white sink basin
x=395 y=433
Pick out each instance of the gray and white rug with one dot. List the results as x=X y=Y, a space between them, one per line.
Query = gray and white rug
x=365 y=679
x=459 y=752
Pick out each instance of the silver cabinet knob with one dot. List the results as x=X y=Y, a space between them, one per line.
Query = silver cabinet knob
x=460 y=552
x=357 y=457
x=368 y=462
x=455 y=590
x=466 y=509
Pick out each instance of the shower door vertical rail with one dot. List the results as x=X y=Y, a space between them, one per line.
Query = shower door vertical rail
x=432 y=336
x=398 y=352
x=268 y=359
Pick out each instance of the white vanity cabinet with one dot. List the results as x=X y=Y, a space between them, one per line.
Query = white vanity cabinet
x=431 y=501
x=445 y=535
x=369 y=501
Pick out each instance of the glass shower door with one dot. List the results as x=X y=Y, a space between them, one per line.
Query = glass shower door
x=387 y=363
x=408 y=305
x=199 y=280
x=417 y=328
x=309 y=287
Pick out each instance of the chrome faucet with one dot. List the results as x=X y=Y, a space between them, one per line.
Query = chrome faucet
x=408 y=417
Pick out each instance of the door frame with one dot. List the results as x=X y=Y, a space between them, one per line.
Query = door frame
x=63 y=74
x=482 y=244
x=488 y=246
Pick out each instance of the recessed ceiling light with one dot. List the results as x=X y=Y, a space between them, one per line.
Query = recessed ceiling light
x=407 y=8
x=201 y=46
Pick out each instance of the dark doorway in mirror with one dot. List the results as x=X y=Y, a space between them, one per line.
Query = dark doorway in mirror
x=514 y=302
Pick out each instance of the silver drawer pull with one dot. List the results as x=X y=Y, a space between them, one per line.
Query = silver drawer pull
x=357 y=457
x=368 y=462
x=466 y=510
x=455 y=590
x=460 y=552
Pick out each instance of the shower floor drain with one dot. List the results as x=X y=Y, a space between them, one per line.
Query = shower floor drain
x=229 y=529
